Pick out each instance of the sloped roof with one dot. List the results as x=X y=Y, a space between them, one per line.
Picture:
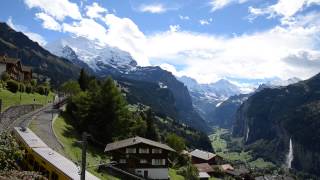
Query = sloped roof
x=4 y=59
x=204 y=167
x=133 y=141
x=26 y=68
x=202 y=154
x=203 y=175
x=226 y=167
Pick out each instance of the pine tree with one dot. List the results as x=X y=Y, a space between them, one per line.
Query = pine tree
x=83 y=80
x=151 y=132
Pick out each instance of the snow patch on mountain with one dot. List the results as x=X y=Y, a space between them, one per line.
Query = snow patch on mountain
x=93 y=53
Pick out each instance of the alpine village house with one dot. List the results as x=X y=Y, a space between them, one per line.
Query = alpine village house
x=140 y=156
x=14 y=68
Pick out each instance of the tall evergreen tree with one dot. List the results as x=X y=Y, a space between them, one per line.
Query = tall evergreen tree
x=84 y=80
x=151 y=132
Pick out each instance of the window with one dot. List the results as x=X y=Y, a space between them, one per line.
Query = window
x=158 y=162
x=130 y=150
x=143 y=161
x=156 y=151
x=144 y=150
x=122 y=161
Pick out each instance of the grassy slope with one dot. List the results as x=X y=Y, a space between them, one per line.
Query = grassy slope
x=11 y=99
x=68 y=137
x=220 y=146
x=174 y=176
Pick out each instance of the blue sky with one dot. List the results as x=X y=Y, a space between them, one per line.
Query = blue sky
x=204 y=39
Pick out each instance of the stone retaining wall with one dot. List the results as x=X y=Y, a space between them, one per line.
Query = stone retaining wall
x=12 y=113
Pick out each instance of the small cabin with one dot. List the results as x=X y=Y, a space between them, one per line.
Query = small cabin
x=15 y=69
x=140 y=156
x=199 y=157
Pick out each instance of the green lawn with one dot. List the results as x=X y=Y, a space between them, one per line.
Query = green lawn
x=174 y=176
x=219 y=144
x=10 y=99
x=69 y=138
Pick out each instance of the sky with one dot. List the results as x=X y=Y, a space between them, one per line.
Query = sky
x=240 y=40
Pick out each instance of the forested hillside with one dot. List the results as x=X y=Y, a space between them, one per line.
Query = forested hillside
x=46 y=65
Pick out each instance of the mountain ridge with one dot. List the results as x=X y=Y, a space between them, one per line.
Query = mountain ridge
x=16 y=44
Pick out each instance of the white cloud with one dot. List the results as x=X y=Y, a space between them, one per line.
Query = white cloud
x=88 y=28
x=283 y=8
x=170 y=68
x=58 y=9
x=95 y=11
x=33 y=36
x=174 y=28
x=48 y=22
x=206 y=57
x=126 y=35
x=205 y=21
x=184 y=17
x=153 y=8
x=219 y=4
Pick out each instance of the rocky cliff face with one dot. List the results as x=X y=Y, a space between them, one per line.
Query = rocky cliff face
x=271 y=117
x=183 y=103
x=206 y=97
x=224 y=114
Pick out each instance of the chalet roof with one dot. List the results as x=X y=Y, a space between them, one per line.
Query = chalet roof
x=202 y=154
x=133 y=141
x=4 y=59
x=204 y=167
x=226 y=167
x=26 y=68
x=203 y=175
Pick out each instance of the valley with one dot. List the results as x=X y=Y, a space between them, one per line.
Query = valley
x=269 y=127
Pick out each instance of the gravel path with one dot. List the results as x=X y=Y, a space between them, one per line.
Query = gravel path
x=42 y=125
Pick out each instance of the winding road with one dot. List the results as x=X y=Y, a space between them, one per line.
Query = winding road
x=41 y=125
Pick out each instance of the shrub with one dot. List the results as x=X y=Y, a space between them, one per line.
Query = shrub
x=5 y=76
x=3 y=84
x=28 y=88
x=33 y=82
x=22 y=87
x=43 y=90
x=12 y=86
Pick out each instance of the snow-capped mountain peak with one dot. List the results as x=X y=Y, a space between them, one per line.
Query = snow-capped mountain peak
x=92 y=53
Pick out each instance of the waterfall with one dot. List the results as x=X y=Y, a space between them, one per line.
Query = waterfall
x=289 y=155
x=247 y=135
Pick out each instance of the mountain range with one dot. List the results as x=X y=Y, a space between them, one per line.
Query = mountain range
x=170 y=96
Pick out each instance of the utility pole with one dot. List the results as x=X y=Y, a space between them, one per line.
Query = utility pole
x=84 y=154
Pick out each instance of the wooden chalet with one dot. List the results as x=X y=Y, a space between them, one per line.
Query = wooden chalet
x=143 y=157
x=199 y=157
x=27 y=73
x=15 y=69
